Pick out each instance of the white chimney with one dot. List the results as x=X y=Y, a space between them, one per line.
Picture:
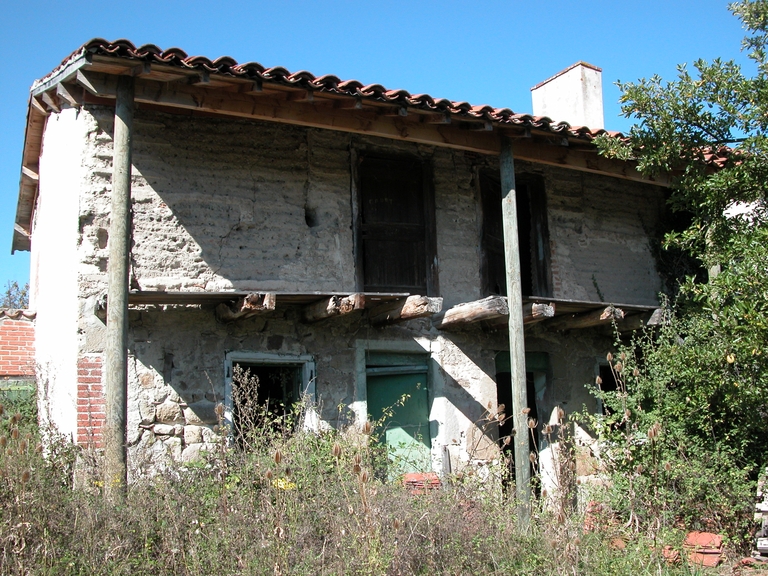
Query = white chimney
x=574 y=95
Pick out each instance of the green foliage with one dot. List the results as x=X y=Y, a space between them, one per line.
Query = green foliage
x=701 y=381
x=15 y=296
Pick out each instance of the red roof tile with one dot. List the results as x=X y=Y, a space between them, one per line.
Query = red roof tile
x=228 y=66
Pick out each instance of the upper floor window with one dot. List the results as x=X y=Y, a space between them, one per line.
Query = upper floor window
x=396 y=246
x=533 y=235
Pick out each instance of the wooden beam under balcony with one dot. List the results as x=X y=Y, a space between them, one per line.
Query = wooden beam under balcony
x=247 y=306
x=604 y=315
x=333 y=306
x=406 y=309
x=492 y=311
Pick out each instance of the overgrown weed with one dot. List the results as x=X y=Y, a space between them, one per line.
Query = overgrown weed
x=284 y=501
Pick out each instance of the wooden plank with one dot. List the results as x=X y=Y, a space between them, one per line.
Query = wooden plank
x=333 y=306
x=66 y=73
x=36 y=102
x=406 y=309
x=247 y=306
x=640 y=321
x=604 y=315
x=468 y=313
x=30 y=173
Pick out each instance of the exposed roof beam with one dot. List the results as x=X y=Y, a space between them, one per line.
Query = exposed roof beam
x=362 y=121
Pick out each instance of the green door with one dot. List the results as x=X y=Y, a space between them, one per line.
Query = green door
x=406 y=422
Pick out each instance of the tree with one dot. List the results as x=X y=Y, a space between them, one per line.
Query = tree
x=15 y=296
x=697 y=391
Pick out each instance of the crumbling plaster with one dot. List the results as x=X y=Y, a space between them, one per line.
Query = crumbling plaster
x=223 y=204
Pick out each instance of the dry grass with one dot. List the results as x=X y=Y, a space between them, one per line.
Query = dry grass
x=289 y=502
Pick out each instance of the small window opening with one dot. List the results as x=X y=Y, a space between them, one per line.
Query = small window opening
x=607 y=384
x=264 y=397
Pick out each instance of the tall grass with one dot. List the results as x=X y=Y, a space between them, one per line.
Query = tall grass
x=284 y=501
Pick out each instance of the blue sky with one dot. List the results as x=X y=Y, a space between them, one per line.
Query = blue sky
x=484 y=52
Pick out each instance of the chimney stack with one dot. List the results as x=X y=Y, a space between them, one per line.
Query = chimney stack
x=574 y=95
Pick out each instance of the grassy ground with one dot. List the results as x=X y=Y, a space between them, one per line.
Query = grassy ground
x=292 y=504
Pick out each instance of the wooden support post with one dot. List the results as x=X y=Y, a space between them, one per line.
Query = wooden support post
x=588 y=319
x=405 y=309
x=116 y=348
x=516 y=341
x=461 y=315
x=333 y=306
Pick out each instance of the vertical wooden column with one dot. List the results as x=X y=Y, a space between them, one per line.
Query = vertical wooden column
x=116 y=350
x=516 y=343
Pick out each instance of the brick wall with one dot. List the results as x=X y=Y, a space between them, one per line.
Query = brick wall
x=17 y=345
x=91 y=405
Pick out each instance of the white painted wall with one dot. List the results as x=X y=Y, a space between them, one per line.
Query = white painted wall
x=54 y=257
x=574 y=95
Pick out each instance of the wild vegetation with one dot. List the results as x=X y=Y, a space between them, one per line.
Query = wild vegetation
x=286 y=501
x=686 y=435
x=15 y=296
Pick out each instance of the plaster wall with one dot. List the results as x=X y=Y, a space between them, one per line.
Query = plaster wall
x=574 y=96
x=255 y=206
x=55 y=256
x=600 y=232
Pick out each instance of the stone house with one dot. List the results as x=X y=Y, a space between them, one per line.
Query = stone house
x=342 y=241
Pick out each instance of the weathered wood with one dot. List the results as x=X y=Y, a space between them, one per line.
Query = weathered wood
x=406 y=309
x=365 y=120
x=37 y=103
x=30 y=173
x=51 y=100
x=588 y=319
x=246 y=307
x=516 y=339
x=462 y=315
x=333 y=306
x=536 y=312
x=71 y=93
x=116 y=346
x=640 y=321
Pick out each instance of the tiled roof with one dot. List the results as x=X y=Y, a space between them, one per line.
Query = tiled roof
x=328 y=83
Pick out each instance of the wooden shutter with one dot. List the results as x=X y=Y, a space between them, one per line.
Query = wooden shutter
x=533 y=235
x=393 y=225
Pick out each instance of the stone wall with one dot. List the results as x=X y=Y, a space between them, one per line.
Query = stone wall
x=223 y=204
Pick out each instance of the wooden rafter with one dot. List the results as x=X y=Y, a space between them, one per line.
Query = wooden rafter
x=355 y=116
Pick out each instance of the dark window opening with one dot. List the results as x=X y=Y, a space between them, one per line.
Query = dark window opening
x=263 y=397
x=607 y=384
x=533 y=235
x=396 y=230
